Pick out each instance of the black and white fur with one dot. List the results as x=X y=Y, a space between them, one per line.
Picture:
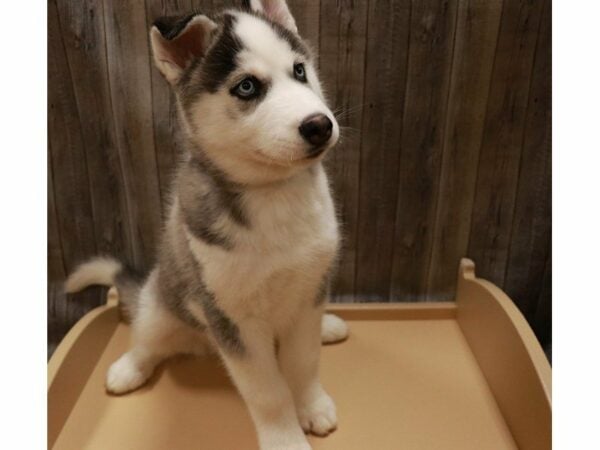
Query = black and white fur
x=251 y=235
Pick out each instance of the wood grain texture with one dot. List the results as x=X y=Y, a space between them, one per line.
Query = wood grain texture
x=475 y=46
x=131 y=89
x=531 y=229
x=211 y=7
x=56 y=268
x=70 y=176
x=500 y=152
x=542 y=321
x=385 y=91
x=445 y=108
x=82 y=26
x=343 y=45
x=308 y=19
x=57 y=325
x=70 y=199
x=432 y=30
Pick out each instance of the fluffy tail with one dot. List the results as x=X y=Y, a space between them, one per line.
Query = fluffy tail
x=106 y=271
x=100 y=270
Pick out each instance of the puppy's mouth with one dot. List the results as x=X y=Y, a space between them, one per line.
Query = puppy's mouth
x=315 y=152
x=291 y=154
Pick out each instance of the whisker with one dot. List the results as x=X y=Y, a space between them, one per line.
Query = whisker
x=346 y=112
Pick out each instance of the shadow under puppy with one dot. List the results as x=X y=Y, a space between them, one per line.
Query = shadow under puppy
x=251 y=233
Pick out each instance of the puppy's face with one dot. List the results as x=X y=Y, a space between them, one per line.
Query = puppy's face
x=253 y=97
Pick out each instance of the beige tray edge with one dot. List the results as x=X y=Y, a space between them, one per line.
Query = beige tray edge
x=65 y=345
x=394 y=311
x=509 y=355
x=88 y=336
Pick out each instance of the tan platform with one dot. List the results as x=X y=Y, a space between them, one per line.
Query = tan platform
x=464 y=375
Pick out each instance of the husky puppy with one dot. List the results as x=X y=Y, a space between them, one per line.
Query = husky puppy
x=251 y=233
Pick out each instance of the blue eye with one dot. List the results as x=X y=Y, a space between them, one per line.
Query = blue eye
x=247 y=88
x=299 y=72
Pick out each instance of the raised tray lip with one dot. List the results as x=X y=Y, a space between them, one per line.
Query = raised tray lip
x=521 y=326
x=509 y=355
x=66 y=344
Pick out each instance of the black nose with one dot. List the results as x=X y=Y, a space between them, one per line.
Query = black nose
x=316 y=129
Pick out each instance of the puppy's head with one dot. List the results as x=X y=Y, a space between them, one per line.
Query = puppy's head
x=247 y=89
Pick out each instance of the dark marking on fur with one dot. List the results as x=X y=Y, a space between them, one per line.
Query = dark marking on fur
x=224 y=330
x=171 y=26
x=221 y=59
x=294 y=41
x=205 y=196
x=128 y=282
x=176 y=290
x=208 y=74
x=179 y=279
x=229 y=193
x=180 y=282
x=129 y=274
x=202 y=230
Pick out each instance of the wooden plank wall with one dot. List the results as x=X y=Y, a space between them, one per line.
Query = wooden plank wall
x=446 y=148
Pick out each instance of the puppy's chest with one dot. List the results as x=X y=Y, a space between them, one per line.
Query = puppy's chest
x=289 y=228
x=291 y=240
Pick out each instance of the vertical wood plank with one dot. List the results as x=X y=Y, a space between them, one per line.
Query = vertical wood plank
x=503 y=138
x=167 y=135
x=214 y=7
x=131 y=89
x=68 y=175
x=385 y=89
x=542 y=321
x=308 y=19
x=475 y=46
x=532 y=224
x=82 y=28
x=56 y=268
x=432 y=31
x=343 y=45
x=71 y=186
x=56 y=328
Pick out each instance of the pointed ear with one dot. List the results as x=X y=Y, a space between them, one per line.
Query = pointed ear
x=275 y=10
x=177 y=41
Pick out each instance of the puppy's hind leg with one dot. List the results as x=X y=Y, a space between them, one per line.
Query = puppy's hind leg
x=157 y=335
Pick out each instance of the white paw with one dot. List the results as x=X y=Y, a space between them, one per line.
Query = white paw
x=125 y=376
x=318 y=416
x=333 y=329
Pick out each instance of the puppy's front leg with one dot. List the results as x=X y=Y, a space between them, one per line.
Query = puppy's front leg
x=299 y=353
x=254 y=369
